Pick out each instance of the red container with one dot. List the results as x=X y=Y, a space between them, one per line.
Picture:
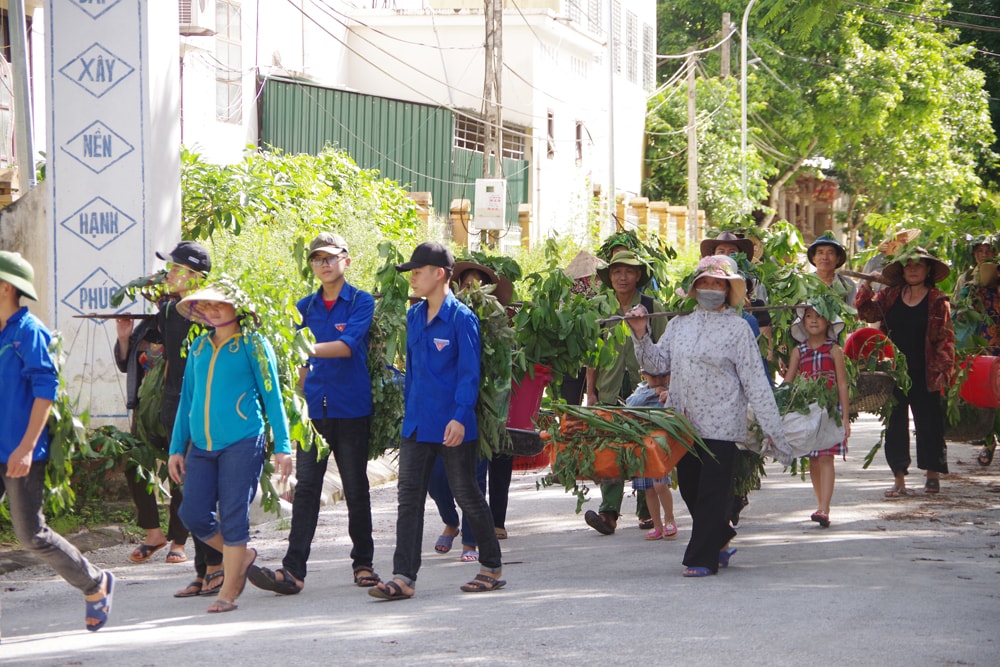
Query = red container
x=864 y=342
x=982 y=386
x=531 y=463
x=526 y=398
x=525 y=402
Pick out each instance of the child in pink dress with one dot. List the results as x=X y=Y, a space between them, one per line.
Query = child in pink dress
x=818 y=355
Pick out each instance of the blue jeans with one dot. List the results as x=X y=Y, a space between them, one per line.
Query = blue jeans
x=348 y=440
x=225 y=478
x=25 y=495
x=445 y=501
x=416 y=460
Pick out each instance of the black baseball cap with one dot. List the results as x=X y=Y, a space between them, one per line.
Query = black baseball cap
x=429 y=254
x=191 y=254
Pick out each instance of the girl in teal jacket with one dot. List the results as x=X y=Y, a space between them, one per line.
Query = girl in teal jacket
x=230 y=385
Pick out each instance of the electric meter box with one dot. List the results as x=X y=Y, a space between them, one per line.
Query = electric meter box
x=491 y=203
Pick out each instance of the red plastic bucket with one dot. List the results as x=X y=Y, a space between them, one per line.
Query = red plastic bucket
x=526 y=398
x=525 y=402
x=864 y=342
x=982 y=386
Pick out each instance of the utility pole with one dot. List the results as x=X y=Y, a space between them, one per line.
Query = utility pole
x=612 y=197
x=692 y=150
x=727 y=29
x=492 y=96
x=23 y=132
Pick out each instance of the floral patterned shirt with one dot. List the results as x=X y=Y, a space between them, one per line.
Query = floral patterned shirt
x=714 y=366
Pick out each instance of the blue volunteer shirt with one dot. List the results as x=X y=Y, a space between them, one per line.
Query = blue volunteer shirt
x=26 y=373
x=339 y=388
x=442 y=371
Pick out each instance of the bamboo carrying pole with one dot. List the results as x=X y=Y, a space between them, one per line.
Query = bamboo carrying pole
x=863 y=276
x=680 y=313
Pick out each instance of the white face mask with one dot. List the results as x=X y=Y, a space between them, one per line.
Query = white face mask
x=710 y=299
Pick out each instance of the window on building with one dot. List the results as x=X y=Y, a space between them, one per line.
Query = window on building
x=470 y=134
x=550 y=150
x=631 y=47
x=579 y=143
x=648 y=57
x=573 y=10
x=594 y=16
x=616 y=34
x=229 y=62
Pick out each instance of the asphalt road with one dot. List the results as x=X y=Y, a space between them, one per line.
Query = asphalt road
x=914 y=581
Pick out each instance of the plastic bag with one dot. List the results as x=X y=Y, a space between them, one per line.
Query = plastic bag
x=815 y=431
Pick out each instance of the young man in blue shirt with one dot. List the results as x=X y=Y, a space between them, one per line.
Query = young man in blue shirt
x=441 y=389
x=337 y=388
x=28 y=384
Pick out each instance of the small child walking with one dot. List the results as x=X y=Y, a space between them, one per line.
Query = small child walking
x=818 y=355
x=652 y=392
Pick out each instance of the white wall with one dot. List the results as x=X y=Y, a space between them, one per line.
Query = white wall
x=549 y=66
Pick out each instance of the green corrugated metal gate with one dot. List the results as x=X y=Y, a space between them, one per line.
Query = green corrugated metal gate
x=407 y=142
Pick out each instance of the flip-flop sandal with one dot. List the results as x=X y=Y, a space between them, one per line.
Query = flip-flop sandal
x=724 y=556
x=206 y=589
x=144 y=552
x=445 y=542
x=932 y=486
x=267 y=580
x=390 y=593
x=99 y=610
x=221 y=606
x=986 y=455
x=194 y=587
x=469 y=556
x=366 y=580
x=176 y=557
x=822 y=519
x=697 y=572
x=483 y=583
x=896 y=492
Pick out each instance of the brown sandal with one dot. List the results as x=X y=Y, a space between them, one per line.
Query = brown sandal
x=483 y=583
x=366 y=580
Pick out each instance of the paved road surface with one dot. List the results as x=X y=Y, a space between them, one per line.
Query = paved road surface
x=909 y=582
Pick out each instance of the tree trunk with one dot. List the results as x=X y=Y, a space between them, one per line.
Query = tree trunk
x=780 y=183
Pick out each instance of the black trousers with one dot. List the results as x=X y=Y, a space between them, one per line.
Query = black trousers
x=706 y=486
x=928 y=422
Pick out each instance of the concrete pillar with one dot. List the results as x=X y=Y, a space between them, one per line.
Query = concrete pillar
x=679 y=215
x=424 y=201
x=459 y=215
x=658 y=211
x=640 y=208
x=112 y=109
x=524 y=220
x=620 y=212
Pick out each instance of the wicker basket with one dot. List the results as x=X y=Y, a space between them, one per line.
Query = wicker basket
x=874 y=391
x=973 y=424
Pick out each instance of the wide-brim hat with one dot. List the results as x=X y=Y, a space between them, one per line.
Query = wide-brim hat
x=830 y=241
x=504 y=290
x=628 y=258
x=721 y=266
x=188 y=306
x=833 y=328
x=584 y=265
x=893 y=272
x=901 y=238
x=745 y=246
x=17 y=271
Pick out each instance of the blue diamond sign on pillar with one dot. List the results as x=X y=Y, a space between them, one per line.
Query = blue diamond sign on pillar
x=96 y=70
x=93 y=294
x=94 y=8
x=98 y=222
x=97 y=147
